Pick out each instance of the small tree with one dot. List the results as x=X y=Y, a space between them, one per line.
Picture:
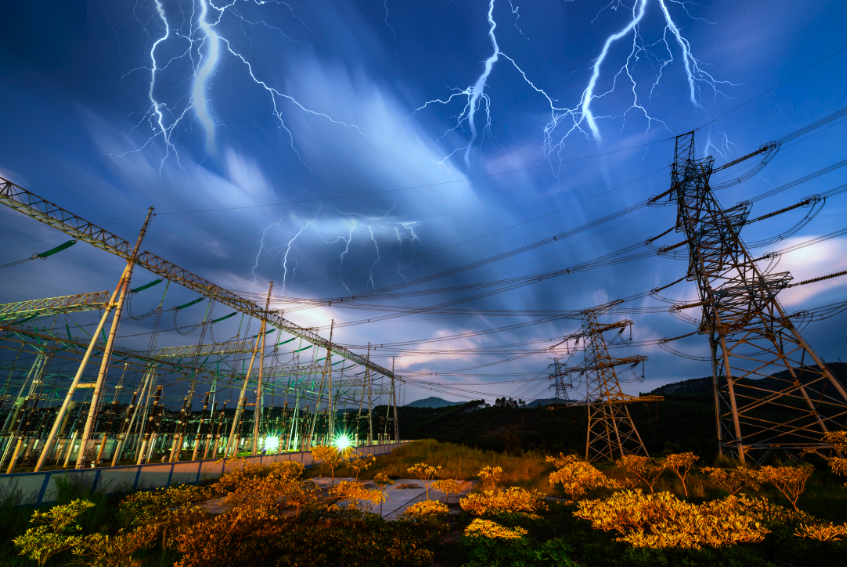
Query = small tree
x=681 y=464
x=791 y=481
x=643 y=467
x=382 y=481
x=425 y=472
x=732 y=480
x=330 y=456
x=359 y=464
x=491 y=474
x=58 y=532
x=448 y=487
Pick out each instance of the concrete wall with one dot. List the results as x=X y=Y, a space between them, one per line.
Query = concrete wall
x=40 y=487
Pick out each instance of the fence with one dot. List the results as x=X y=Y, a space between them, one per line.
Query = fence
x=40 y=487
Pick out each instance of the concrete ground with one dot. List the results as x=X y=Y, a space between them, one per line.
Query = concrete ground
x=402 y=494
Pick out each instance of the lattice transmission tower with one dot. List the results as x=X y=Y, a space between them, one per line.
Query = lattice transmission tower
x=772 y=392
x=611 y=431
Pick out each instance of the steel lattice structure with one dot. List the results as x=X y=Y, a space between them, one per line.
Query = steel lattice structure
x=611 y=431
x=53 y=305
x=750 y=334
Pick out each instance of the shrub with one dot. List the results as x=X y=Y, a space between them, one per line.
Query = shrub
x=663 y=521
x=680 y=464
x=732 y=480
x=490 y=474
x=642 y=467
x=822 y=532
x=424 y=472
x=513 y=500
x=57 y=532
x=576 y=476
x=791 y=481
x=448 y=487
x=420 y=510
x=493 y=530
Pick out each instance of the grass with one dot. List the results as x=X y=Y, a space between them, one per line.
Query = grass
x=461 y=463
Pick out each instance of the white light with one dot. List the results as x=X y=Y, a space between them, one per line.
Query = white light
x=342 y=442
x=271 y=444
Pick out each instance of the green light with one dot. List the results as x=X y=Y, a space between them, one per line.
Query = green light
x=342 y=442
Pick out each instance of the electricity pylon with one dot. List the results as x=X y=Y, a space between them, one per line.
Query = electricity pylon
x=749 y=332
x=611 y=431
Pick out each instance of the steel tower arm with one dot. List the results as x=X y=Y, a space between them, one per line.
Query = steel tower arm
x=33 y=206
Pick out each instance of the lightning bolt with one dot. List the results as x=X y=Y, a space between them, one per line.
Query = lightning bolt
x=198 y=35
x=286 y=246
x=581 y=118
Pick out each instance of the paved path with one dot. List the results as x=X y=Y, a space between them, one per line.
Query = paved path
x=397 y=499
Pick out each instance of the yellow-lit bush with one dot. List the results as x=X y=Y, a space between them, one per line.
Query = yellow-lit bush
x=662 y=520
x=513 y=500
x=447 y=486
x=733 y=480
x=425 y=508
x=493 y=530
x=57 y=531
x=643 y=467
x=823 y=532
x=791 y=481
x=576 y=476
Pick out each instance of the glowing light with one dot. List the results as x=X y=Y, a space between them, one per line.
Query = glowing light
x=342 y=442
x=271 y=444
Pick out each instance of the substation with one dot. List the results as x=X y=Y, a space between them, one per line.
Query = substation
x=73 y=396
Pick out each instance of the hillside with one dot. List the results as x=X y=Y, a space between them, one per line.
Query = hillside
x=432 y=402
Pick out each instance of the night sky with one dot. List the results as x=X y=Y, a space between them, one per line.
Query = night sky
x=455 y=127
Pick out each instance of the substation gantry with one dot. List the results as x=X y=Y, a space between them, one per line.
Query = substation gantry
x=772 y=392
x=142 y=419
x=611 y=430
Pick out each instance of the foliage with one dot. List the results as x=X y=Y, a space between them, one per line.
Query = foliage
x=642 y=467
x=576 y=476
x=823 y=532
x=359 y=464
x=355 y=492
x=424 y=508
x=680 y=464
x=733 y=480
x=330 y=456
x=490 y=474
x=838 y=440
x=424 y=472
x=662 y=520
x=447 y=486
x=103 y=550
x=57 y=532
x=791 y=481
x=493 y=530
x=514 y=500
x=490 y=552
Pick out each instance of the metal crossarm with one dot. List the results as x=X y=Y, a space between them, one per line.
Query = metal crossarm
x=771 y=391
x=205 y=350
x=33 y=206
x=52 y=305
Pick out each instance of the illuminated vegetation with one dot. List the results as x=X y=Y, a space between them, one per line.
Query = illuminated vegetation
x=276 y=515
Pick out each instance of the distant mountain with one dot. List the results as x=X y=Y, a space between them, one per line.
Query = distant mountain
x=432 y=402
x=777 y=382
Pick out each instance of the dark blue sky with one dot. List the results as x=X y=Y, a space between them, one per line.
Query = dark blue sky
x=112 y=106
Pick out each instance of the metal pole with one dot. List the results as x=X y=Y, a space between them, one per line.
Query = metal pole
x=257 y=413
